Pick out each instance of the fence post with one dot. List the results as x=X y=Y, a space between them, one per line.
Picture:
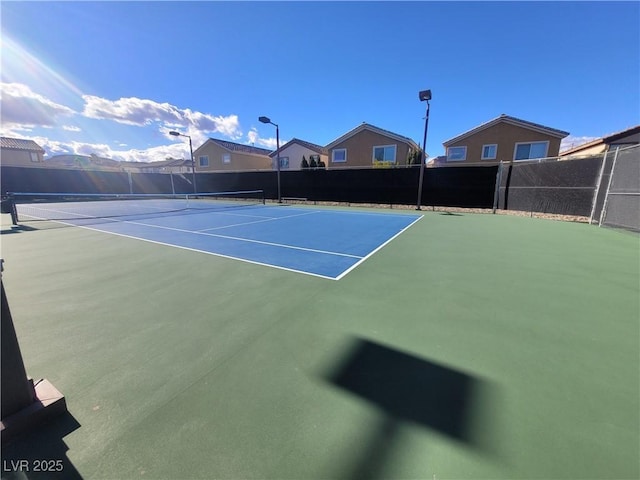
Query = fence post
x=496 y=192
x=595 y=196
x=606 y=196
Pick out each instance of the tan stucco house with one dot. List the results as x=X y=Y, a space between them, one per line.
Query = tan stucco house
x=292 y=152
x=503 y=139
x=222 y=155
x=20 y=152
x=370 y=146
x=625 y=138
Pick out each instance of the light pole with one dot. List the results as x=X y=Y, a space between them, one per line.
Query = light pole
x=268 y=120
x=193 y=163
x=424 y=95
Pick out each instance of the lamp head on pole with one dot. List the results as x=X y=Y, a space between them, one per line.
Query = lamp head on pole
x=425 y=95
x=265 y=119
x=178 y=134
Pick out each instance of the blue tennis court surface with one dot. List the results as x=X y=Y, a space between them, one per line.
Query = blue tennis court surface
x=323 y=243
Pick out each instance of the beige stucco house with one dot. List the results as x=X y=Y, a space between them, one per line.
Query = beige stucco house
x=625 y=138
x=503 y=139
x=292 y=152
x=20 y=152
x=370 y=146
x=221 y=155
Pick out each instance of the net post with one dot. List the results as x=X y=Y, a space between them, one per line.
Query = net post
x=13 y=211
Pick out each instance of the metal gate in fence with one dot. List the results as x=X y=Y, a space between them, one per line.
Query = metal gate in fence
x=621 y=203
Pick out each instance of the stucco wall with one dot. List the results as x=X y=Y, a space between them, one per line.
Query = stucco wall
x=360 y=149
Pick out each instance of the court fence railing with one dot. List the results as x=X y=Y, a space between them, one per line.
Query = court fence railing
x=600 y=189
x=619 y=191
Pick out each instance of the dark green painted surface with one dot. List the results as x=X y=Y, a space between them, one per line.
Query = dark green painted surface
x=177 y=364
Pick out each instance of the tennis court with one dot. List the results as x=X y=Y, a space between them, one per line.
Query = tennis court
x=465 y=346
x=325 y=243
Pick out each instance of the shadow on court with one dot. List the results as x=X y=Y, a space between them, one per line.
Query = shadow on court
x=41 y=454
x=6 y=230
x=408 y=389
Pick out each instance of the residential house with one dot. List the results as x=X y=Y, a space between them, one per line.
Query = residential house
x=20 y=152
x=171 y=165
x=220 y=155
x=624 y=138
x=83 y=162
x=292 y=153
x=367 y=146
x=504 y=138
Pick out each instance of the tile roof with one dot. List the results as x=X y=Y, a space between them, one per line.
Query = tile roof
x=607 y=139
x=20 y=144
x=513 y=121
x=373 y=128
x=239 y=147
x=309 y=145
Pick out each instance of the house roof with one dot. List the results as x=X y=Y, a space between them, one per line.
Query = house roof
x=309 y=145
x=172 y=162
x=71 y=159
x=607 y=139
x=512 y=121
x=238 y=147
x=372 y=128
x=20 y=144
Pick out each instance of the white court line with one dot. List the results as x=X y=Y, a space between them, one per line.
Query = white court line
x=240 y=239
x=264 y=219
x=215 y=254
x=342 y=275
x=377 y=249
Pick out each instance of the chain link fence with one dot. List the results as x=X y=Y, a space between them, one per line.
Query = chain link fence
x=621 y=199
x=603 y=189
x=555 y=185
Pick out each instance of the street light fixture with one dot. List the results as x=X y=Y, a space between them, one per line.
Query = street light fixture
x=268 y=120
x=424 y=96
x=193 y=163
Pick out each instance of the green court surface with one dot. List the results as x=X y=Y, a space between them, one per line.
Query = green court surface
x=470 y=346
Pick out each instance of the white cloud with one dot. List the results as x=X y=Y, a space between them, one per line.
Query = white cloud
x=270 y=143
x=252 y=136
x=142 y=112
x=254 y=139
x=228 y=126
x=22 y=108
x=130 y=111
x=152 y=154
x=573 y=141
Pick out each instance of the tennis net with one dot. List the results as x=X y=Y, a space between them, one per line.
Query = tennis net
x=80 y=206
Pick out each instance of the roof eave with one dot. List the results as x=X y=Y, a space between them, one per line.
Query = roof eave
x=509 y=120
x=366 y=126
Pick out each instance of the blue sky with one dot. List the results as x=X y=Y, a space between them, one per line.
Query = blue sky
x=114 y=78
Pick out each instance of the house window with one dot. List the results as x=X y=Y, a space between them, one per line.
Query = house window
x=525 y=151
x=203 y=161
x=226 y=158
x=284 y=162
x=339 y=155
x=384 y=153
x=489 y=152
x=34 y=157
x=456 y=154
